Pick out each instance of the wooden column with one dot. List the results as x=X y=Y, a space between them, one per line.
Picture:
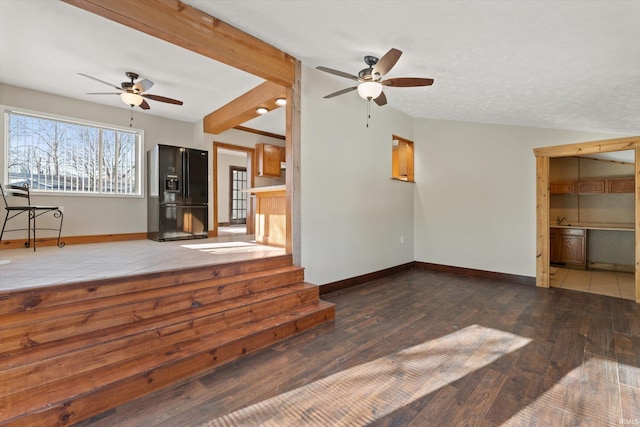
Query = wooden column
x=542 y=222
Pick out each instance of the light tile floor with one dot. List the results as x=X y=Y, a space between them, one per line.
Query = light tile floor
x=24 y=268
x=611 y=283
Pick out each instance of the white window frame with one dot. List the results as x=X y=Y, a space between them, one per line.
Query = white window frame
x=140 y=164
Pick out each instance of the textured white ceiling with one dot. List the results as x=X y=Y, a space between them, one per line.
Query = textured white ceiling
x=545 y=63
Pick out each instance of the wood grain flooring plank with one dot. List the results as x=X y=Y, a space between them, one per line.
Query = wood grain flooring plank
x=630 y=398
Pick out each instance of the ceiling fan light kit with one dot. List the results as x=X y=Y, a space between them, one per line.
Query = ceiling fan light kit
x=132 y=99
x=369 y=90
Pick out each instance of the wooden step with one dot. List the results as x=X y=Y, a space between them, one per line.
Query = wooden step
x=29 y=329
x=90 y=351
x=72 y=351
x=24 y=300
x=93 y=392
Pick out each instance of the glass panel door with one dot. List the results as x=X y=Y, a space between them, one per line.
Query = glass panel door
x=237 y=198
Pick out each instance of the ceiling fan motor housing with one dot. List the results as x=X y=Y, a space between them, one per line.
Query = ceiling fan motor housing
x=366 y=74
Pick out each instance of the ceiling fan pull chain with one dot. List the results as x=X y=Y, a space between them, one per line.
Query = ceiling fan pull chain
x=368 y=111
x=131 y=116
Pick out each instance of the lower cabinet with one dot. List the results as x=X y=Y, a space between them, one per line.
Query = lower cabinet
x=569 y=246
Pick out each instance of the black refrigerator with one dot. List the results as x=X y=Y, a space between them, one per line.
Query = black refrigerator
x=178 y=193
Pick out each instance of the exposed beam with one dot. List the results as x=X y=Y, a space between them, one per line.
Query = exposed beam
x=192 y=29
x=243 y=108
x=582 y=148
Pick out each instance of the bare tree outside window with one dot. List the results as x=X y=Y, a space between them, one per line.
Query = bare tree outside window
x=62 y=156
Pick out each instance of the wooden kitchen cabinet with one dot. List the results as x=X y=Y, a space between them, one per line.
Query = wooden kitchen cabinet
x=593 y=186
x=562 y=187
x=568 y=246
x=622 y=185
x=268 y=158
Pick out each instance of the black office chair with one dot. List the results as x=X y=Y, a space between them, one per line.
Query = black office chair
x=11 y=192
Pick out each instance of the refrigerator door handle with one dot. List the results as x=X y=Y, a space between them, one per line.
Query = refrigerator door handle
x=187 y=173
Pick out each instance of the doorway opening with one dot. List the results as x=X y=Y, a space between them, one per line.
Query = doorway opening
x=232 y=211
x=545 y=207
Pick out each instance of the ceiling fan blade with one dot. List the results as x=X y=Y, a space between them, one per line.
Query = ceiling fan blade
x=407 y=82
x=339 y=73
x=143 y=85
x=341 y=92
x=386 y=63
x=101 y=81
x=144 y=105
x=161 y=99
x=381 y=99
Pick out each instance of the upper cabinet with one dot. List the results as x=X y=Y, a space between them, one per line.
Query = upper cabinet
x=582 y=175
x=268 y=159
x=621 y=185
x=594 y=186
x=563 y=188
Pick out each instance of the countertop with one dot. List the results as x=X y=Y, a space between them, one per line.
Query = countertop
x=595 y=226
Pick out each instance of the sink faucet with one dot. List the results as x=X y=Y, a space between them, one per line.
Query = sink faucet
x=560 y=220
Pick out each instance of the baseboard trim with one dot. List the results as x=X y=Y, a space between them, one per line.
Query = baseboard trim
x=624 y=268
x=358 y=280
x=75 y=240
x=514 y=278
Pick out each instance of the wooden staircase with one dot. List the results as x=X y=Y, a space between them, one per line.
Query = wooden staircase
x=69 y=352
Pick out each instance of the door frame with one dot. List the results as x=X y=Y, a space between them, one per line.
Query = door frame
x=250 y=152
x=543 y=155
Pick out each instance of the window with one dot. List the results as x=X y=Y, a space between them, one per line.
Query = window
x=58 y=155
x=402 y=159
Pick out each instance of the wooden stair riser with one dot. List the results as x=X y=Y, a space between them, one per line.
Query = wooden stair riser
x=42 y=371
x=75 y=319
x=196 y=357
x=24 y=300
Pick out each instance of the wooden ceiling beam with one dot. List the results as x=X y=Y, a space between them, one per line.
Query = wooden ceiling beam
x=243 y=108
x=192 y=29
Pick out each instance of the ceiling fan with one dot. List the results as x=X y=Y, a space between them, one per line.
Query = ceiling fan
x=133 y=93
x=370 y=86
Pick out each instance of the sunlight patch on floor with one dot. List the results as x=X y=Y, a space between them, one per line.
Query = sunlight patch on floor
x=217 y=245
x=222 y=248
x=362 y=394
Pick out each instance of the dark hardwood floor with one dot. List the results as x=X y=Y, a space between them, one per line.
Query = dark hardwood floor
x=423 y=348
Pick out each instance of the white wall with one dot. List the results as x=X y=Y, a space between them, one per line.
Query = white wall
x=240 y=138
x=475 y=196
x=353 y=214
x=94 y=215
